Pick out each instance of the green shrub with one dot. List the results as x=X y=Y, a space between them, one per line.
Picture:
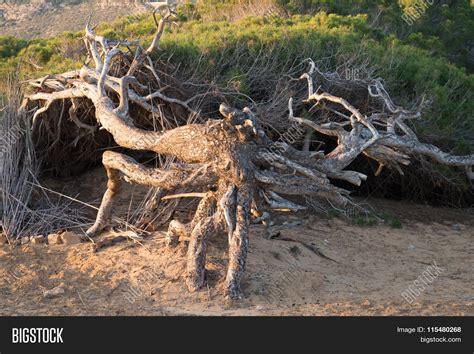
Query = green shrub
x=11 y=46
x=223 y=51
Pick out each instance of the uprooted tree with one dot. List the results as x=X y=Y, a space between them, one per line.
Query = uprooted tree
x=232 y=164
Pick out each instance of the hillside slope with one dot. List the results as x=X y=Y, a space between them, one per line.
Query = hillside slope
x=43 y=18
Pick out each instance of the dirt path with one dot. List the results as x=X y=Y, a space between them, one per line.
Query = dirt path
x=373 y=266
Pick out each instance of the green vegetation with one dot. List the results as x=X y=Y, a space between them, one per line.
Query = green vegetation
x=444 y=28
x=334 y=213
x=364 y=220
x=10 y=46
x=295 y=251
x=415 y=60
x=391 y=221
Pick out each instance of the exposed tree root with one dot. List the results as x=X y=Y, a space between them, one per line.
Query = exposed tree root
x=231 y=162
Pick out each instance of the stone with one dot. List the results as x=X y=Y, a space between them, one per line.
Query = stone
x=3 y=239
x=55 y=292
x=37 y=239
x=54 y=239
x=70 y=238
x=24 y=240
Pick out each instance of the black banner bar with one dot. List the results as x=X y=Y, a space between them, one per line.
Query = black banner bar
x=296 y=335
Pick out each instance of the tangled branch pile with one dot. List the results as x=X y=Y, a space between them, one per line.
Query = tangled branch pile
x=25 y=209
x=232 y=163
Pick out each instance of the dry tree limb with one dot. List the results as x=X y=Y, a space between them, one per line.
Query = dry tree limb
x=117 y=165
x=73 y=115
x=184 y=195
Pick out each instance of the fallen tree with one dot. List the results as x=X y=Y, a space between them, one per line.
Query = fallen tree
x=231 y=163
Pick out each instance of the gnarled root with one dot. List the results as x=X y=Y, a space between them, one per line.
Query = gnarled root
x=105 y=210
x=118 y=165
x=196 y=258
x=177 y=230
x=239 y=242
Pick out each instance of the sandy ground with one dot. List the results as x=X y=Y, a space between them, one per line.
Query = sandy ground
x=370 y=268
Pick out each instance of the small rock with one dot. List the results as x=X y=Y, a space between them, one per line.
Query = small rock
x=37 y=239
x=259 y=308
x=55 y=292
x=54 y=239
x=3 y=239
x=70 y=238
x=456 y=227
x=411 y=247
x=24 y=240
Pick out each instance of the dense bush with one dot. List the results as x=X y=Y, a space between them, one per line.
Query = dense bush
x=444 y=27
x=410 y=71
x=414 y=60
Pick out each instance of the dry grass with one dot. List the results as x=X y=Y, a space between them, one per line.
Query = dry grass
x=245 y=9
x=26 y=209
